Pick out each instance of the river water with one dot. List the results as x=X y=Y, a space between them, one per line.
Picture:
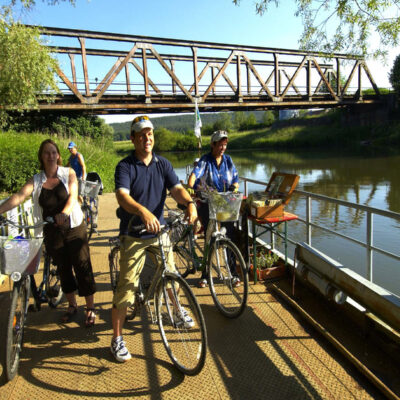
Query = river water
x=363 y=178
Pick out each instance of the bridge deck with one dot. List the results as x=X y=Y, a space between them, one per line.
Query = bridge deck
x=266 y=353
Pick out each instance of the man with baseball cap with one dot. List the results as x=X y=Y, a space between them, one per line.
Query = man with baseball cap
x=141 y=183
x=215 y=170
x=76 y=161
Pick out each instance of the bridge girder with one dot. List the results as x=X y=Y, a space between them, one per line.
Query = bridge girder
x=144 y=74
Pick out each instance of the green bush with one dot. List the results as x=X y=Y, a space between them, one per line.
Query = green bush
x=165 y=140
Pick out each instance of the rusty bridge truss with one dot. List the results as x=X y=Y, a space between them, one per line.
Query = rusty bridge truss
x=106 y=73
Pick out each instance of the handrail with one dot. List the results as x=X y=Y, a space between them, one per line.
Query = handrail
x=371 y=211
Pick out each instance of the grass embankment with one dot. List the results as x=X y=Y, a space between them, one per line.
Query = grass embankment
x=18 y=158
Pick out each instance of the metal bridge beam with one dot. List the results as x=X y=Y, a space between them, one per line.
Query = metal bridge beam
x=150 y=74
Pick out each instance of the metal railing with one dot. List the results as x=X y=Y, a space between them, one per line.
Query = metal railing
x=368 y=244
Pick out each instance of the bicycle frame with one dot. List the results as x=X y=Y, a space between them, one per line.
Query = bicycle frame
x=200 y=262
x=159 y=274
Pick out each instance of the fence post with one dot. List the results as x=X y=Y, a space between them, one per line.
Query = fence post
x=370 y=236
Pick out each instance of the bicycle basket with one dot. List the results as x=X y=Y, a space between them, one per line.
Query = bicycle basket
x=177 y=229
x=20 y=255
x=224 y=206
x=88 y=188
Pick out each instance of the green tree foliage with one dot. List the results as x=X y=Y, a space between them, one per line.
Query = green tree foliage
x=166 y=140
x=63 y=125
x=394 y=76
x=268 y=118
x=26 y=67
x=344 y=25
x=224 y=122
x=239 y=119
x=27 y=70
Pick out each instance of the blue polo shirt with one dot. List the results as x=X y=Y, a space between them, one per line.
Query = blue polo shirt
x=208 y=172
x=147 y=184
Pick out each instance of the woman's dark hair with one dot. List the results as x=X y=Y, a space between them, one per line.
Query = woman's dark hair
x=40 y=152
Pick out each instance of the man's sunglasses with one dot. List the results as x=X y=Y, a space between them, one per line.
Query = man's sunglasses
x=141 y=118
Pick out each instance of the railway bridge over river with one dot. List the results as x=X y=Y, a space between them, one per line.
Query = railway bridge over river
x=108 y=73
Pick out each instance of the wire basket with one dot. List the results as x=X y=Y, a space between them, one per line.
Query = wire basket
x=88 y=188
x=177 y=229
x=224 y=206
x=20 y=255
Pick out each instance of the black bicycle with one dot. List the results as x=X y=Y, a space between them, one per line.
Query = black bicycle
x=20 y=259
x=222 y=260
x=171 y=304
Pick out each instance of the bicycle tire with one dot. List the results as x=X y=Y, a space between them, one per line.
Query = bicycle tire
x=186 y=346
x=52 y=286
x=88 y=215
x=15 y=326
x=229 y=300
x=113 y=259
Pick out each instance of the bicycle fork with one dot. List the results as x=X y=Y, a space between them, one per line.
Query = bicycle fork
x=226 y=277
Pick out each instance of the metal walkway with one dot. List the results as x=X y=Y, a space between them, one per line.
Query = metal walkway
x=265 y=354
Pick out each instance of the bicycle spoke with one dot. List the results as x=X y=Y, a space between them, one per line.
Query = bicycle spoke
x=15 y=328
x=225 y=266
x=181 y=325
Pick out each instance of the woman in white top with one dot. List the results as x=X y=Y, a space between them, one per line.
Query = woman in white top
x=55 y=194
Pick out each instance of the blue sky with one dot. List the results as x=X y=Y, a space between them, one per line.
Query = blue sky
x=206 y=20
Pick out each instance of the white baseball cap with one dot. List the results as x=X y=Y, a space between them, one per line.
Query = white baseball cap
x=140 y=123
x=218 y=135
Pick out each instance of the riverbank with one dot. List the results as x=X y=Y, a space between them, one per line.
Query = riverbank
x=321 y=132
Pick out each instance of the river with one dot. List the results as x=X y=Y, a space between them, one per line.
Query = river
x=363 y=178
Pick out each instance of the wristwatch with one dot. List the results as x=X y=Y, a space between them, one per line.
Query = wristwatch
x=191 y=201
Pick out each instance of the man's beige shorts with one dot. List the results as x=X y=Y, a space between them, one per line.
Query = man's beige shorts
x=133 y=256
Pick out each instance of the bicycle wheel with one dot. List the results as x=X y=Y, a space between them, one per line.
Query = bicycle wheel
x=15 y=326
x=181 y=324
x=113 y=259
x=224 y=264
x=183 y=260
x=88 y=215
x=52 y=283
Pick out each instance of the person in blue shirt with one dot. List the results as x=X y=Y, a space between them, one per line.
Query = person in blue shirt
x=215 y=170
x=76 y=161
x=141 y=183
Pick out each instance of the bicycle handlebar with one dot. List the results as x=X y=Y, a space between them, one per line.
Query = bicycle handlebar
x=5 y=221
x=163 y=228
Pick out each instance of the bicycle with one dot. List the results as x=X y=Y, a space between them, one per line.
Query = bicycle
x=89 y=192
x=20 y=258
x=221 y=258
x=168 y=299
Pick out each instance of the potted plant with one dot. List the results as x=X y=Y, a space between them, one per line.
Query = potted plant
x=269 y=265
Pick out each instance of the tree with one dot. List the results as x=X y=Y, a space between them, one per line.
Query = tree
x=268 y=118
x=239 y=119
x=350 y=23
x=27 y=70
x=394 y=76
x=224 y=122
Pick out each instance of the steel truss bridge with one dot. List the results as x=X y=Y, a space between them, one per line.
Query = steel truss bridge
x=107 y=73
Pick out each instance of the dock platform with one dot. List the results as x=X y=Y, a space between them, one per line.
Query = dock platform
x=267 y=353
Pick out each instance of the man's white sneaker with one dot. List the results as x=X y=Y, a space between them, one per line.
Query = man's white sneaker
x=119 y=350
x=183 y=317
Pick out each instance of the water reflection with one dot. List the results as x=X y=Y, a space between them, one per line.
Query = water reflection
x=361 y=178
